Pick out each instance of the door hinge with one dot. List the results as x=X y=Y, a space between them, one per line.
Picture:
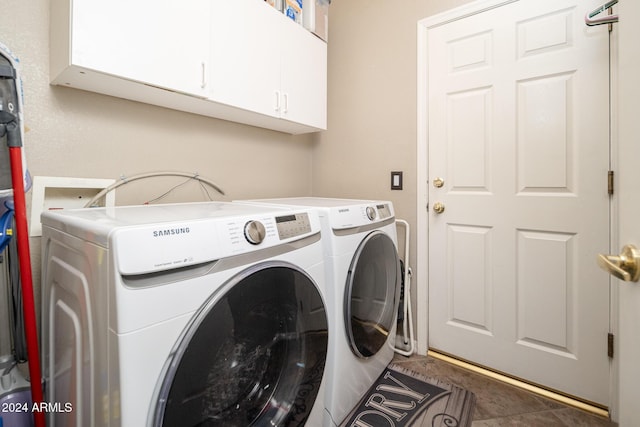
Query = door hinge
x=610 y=345
x=610 y=182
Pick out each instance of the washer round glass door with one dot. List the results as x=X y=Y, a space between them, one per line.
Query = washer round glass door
x=253 y=355
x=371 y=298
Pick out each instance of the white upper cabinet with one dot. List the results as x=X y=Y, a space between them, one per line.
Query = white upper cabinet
x=163 y=43
x=245 y=47
x=237 y=60
x=304 y=77
x=265 y=62
x=160 y=43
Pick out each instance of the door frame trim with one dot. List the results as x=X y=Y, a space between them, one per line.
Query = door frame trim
x=422 y=215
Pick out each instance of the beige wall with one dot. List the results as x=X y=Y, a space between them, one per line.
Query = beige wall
x=372 y=64
x=372 y=101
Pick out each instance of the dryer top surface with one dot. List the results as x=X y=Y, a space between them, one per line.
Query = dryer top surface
x=316 y=202
x=340 y=214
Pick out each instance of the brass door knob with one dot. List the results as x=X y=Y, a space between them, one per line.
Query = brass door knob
x=438 y=182
x=625 y=266
x=438 y=207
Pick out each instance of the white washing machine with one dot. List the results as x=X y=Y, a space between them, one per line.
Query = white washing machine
x=204 y=314
x=363 y=284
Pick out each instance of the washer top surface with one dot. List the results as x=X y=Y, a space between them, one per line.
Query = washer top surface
x=100 y=222
x=125 y=216
x=159 y=237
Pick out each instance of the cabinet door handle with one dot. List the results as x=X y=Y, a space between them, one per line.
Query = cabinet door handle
x=203 y=77
x=277 y=107
x=286 y=103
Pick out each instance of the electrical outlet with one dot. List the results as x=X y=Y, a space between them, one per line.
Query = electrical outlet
x=50 y=192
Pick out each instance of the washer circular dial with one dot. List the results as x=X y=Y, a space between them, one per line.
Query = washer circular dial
x=254 y=232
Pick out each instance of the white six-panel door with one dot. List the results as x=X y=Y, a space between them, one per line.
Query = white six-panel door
x=518 y=154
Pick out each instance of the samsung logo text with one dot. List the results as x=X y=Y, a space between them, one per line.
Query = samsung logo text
x=171 y=232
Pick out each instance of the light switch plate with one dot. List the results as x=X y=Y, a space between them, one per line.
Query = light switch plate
x=54 y=192
x=396 y=180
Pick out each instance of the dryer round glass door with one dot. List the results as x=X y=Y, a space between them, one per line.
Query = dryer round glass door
x=253 y=355
x=371 y=294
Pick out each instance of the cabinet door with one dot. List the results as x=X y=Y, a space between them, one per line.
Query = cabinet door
x=304 y=77
x=162 y=43
x=245 y=55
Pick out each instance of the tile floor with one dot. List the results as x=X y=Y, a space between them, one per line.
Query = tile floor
x=500 y=404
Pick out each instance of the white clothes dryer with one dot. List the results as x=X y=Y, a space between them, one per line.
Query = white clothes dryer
x=203 y=314
x=363 y=285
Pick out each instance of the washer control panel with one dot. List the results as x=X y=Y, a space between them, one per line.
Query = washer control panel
x=293 y=225
x=172 y=244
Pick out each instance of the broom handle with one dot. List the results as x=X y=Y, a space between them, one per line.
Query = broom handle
x=28 y=306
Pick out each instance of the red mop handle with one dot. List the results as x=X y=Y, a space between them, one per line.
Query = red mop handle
x=28 y=306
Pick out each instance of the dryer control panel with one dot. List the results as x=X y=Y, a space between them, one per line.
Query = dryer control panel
x=384 y=211
x=360 y=215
